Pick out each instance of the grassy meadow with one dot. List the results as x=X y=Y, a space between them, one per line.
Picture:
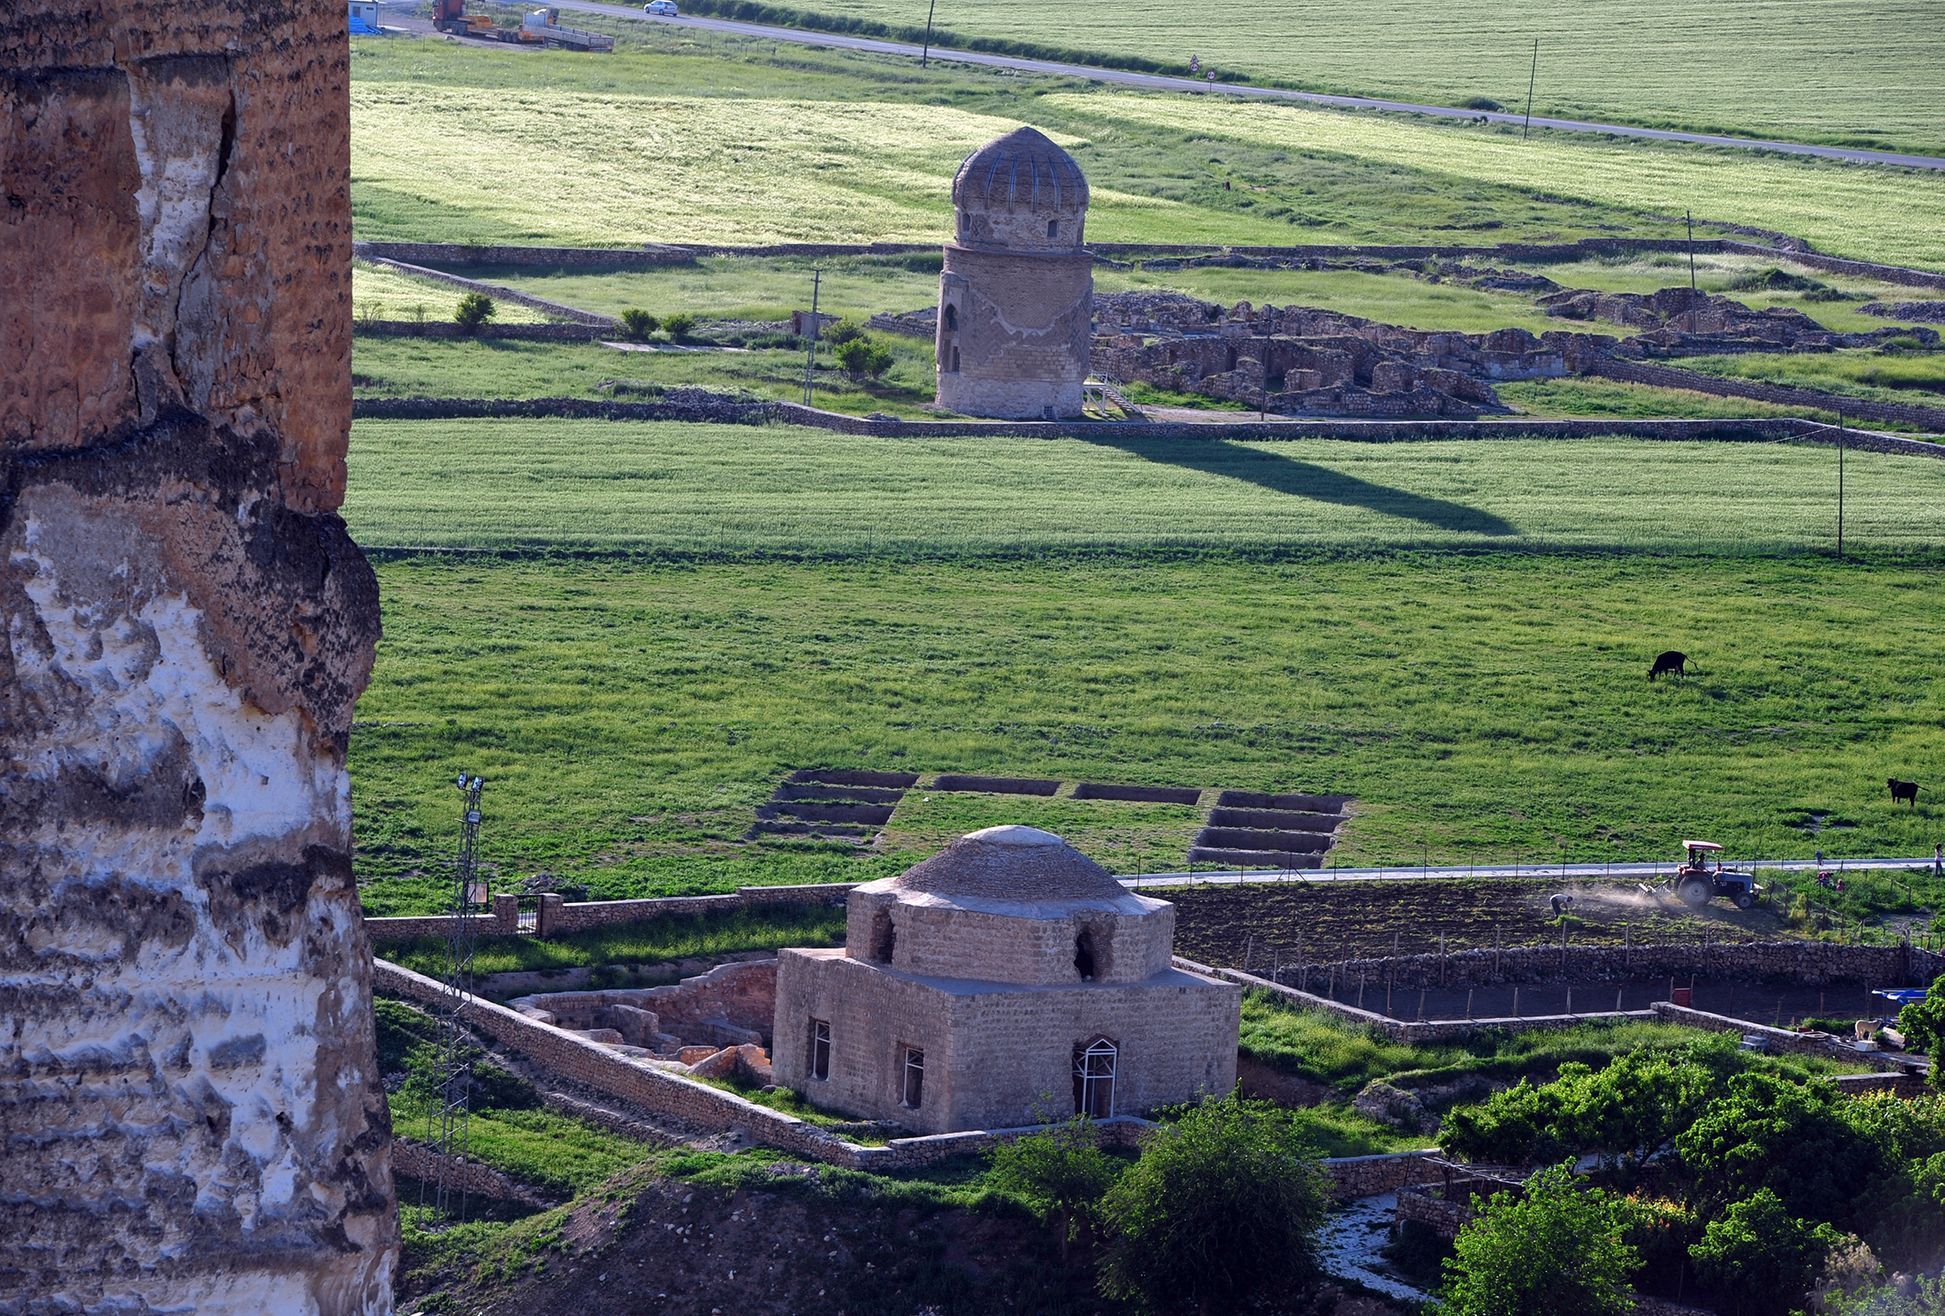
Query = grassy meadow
x=727 y=141
x=712 y=490
x=510 y=368
x=1833 y=300
x=665 y=620
x=1812 y=70
x=379 y=293
x=1914 y=377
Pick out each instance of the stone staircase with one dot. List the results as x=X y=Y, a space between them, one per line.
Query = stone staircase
x=1250 y=829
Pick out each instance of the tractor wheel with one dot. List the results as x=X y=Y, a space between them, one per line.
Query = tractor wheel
x=1745 y=900
x=1694 y=892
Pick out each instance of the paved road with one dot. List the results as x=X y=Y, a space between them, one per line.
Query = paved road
x=1636 y=872
x=1159 y=82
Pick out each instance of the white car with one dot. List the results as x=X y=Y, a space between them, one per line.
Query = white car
x=661 y=8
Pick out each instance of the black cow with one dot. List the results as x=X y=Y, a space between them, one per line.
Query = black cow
x=1669 y=661
x=1903 y=790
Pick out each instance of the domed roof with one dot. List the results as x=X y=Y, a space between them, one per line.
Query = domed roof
x=1022 y=170
x=1013 y=866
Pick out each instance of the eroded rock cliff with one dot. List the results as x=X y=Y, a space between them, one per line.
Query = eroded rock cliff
x=189 y=1107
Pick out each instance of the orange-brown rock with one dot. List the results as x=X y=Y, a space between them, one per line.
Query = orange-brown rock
x=188 y=1095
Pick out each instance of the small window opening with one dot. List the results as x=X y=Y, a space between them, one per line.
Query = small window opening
x=1084 y=955
x=884 y=937
x=820 y=1048
x=951 y=316
x=913 y=1090
x=1094 y=1078
x=955 y=360
x=1053 y=229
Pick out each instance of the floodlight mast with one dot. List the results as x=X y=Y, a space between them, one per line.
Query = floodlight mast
x=449 y=1123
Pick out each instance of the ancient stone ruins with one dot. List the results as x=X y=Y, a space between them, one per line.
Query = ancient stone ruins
x=1016 y=295
x=1006 y=981
x=189 y=1106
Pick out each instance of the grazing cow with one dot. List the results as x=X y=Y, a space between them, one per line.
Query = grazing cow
x=1669 y=661
x=1903 y=790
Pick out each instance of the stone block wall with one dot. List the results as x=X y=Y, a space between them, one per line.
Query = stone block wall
x=190 y=1103
x=1931 y=420
x=948 y=941
x=1013 y=332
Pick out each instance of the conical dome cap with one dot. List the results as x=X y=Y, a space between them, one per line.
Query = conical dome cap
x=1024 y=170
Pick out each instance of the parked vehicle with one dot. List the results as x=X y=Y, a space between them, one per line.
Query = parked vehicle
x=661 y=9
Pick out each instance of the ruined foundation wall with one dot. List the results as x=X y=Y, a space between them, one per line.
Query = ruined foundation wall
x=188 y=1095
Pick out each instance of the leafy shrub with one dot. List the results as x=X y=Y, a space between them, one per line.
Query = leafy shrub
x=1060 y=1173
x=1223 y=1204
x=1757 y=1259
x=864 y=358
x=680 y=325
x=839 y=332
x=473 y=311
x=638 y=324
x=1557 y=1249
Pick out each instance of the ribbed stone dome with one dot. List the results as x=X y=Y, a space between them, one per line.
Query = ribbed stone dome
x=1012 y=864
x=1024 y=170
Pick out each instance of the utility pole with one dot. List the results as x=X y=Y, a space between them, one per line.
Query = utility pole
x=449 y=1123
x=1841 y=445
x=1690 y=216
x=1531 y=78
x=925 y=55
x=810 y=338
x=1263 y=396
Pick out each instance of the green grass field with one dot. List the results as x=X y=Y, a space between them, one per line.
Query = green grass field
x=1617 y=399
x=1839 y=70
x=728 y=143
x=1914 y=377
x=378 y=293
x=706 y=490
x=691 y=612
x=509 y=368
x=1733 y=276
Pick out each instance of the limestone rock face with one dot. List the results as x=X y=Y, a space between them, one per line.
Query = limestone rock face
x=189 y=1103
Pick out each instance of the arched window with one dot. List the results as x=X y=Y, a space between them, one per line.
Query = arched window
x=951 y=317
x=1094 y=1078
x=884 y=937
x=1053 y=229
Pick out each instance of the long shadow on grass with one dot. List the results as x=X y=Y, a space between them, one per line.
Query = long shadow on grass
x=1280 y=474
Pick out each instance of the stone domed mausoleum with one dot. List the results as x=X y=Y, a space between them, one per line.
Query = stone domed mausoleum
x=1016 y=296
x=1006 y=980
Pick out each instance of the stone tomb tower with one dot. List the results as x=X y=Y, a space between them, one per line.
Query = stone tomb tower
x=1007 y=980
x=1016 y=297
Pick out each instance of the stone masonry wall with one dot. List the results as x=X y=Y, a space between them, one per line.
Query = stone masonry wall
x=188 y=1092
x=1931 y=420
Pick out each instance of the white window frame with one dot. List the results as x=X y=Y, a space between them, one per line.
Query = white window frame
x=820 y=1049
x=911 y=1077
x=1088 y=1063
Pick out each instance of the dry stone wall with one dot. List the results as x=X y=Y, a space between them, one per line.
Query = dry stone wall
x=188 y=1088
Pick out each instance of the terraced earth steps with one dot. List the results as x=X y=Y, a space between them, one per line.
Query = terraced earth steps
x=833 y=804
x=1254 y=829
x=1094 y=790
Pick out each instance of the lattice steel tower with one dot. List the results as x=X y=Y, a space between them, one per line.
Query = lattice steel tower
x=448 y=1124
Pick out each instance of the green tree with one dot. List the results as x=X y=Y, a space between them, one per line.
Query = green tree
x=864 y=358
x=1558 y=1248
x=1914 y=1296
x=680 y=325
x=1060 y=1173
x=474 y=310
x=1756 y=1259
x=839 y=332
x=1224 y=1203
x=638 y=324
x=1923 y=1025
x=1787 y=1136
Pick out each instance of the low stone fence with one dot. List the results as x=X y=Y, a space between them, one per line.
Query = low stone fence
x=678 y=404
x=1929 y=419
x=526 y=333
x=1367 y=1176
x=1808 y=962
x=415 y=1160
x=557 y=917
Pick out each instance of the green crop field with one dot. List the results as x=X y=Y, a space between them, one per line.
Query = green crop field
x=1823 y=70
x=1871 y=212
x=668 y=619
x=378 y=293
x=510 y=368
x=474 y=145
x=1915 y=377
